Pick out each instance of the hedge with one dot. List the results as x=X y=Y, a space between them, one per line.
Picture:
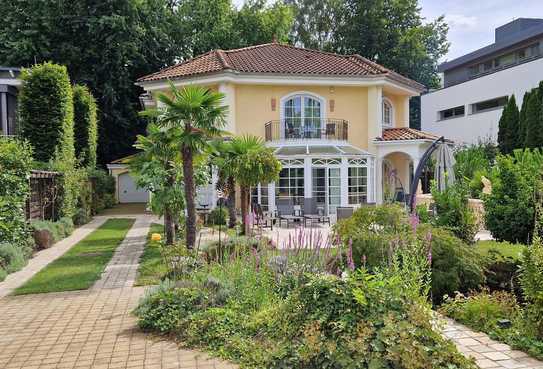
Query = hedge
x=85 y=126
x=46 y=110
x=15 y=166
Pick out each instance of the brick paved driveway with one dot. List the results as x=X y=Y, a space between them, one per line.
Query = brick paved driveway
x=91 y=329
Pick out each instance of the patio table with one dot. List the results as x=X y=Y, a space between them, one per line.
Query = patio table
x=290 y=219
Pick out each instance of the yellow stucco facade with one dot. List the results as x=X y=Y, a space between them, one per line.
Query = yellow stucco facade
x=252 y=105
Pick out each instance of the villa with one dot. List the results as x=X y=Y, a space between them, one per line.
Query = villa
x=338 y=123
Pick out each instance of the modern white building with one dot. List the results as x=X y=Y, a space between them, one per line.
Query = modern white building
x=476 y=86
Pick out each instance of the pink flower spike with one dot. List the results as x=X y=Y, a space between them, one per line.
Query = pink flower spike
x=414 y=221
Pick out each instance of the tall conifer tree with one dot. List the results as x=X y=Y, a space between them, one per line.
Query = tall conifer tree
x=509 y=127
x=521 y=136
x=533 y=121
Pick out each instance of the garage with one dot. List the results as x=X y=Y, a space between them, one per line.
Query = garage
x=129 y=191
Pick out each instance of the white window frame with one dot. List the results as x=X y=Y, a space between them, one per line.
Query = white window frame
x=301 y=94
x=387 y=102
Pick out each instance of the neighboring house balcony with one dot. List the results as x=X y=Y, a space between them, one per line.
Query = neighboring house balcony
x=307 y=129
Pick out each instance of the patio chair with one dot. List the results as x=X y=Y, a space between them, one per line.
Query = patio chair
x=314 y=213
x=263 y=219
x=344 y=212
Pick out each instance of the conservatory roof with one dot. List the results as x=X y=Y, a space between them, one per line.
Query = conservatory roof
x=342 y=149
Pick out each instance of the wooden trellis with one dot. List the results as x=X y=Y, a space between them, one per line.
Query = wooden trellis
x=45 y=192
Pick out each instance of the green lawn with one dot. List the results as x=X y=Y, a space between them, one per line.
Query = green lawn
x=505 y=248
x=83 y=264
x=152 y=267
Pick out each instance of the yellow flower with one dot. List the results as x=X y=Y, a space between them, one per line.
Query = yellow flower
x=156 y=237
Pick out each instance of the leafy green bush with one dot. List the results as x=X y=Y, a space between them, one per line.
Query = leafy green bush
x=501 y=263
x=217 y=216
x=482 y=310
x=510 y=208
x=532 y=286
x=453 y=211
x=46 y=110
x=374 y=231
x=60 y=229
x=85 y=126
x=473 y=162
x=455 y=265
x=103 y=195
x=362 y=321
x=12 y=257
x=15 y=166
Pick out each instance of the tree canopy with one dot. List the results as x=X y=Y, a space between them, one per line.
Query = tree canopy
x=107 y=45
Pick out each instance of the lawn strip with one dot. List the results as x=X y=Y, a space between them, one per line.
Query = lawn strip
x=152 y=268
x=83 y=264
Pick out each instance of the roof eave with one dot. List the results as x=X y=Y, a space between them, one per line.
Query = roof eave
x=229 y=75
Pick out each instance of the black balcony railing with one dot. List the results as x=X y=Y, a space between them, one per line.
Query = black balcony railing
x=313 y=128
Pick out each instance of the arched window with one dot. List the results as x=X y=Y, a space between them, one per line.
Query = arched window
x=388 y=114
x=302 y=116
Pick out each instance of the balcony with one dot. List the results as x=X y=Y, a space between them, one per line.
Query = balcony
x=308 y=129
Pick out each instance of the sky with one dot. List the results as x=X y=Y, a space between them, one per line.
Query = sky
x=472 y=22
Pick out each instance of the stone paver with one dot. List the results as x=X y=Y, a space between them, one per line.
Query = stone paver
x=93 y=328
x=487 y=352
x=122 y=269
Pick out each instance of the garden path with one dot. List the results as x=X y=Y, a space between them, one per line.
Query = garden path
x=488 y=354
x=92 y=328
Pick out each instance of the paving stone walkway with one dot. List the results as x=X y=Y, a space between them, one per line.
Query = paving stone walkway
x=93 y=328
x=487 y=352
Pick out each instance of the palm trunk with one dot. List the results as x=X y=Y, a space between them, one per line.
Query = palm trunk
x=245 y=209
x=231 y=186
x=169 y=226
x=188 y=176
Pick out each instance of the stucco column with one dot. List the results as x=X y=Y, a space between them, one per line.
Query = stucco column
x=406 y=111
x=375 y=115
x=378 y=180
x=271 y=196
x=229 y=91
x=344 y=173
x=308 y=179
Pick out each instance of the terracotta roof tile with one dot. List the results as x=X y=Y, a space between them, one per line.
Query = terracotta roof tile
x=404 y=133
x=278 y=59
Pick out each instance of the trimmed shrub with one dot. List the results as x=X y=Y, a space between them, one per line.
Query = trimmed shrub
x=85 y=126
x=455 y=265
x=453 y=211
x=46 y=110
x=12 y=257
x=15 y=165
x=510 y=208
x=218 y=216
x=59 y=230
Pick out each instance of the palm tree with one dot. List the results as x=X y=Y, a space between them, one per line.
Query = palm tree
x=252 y=163
x=221 y=157
x=199 y=113
x=158 y=169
